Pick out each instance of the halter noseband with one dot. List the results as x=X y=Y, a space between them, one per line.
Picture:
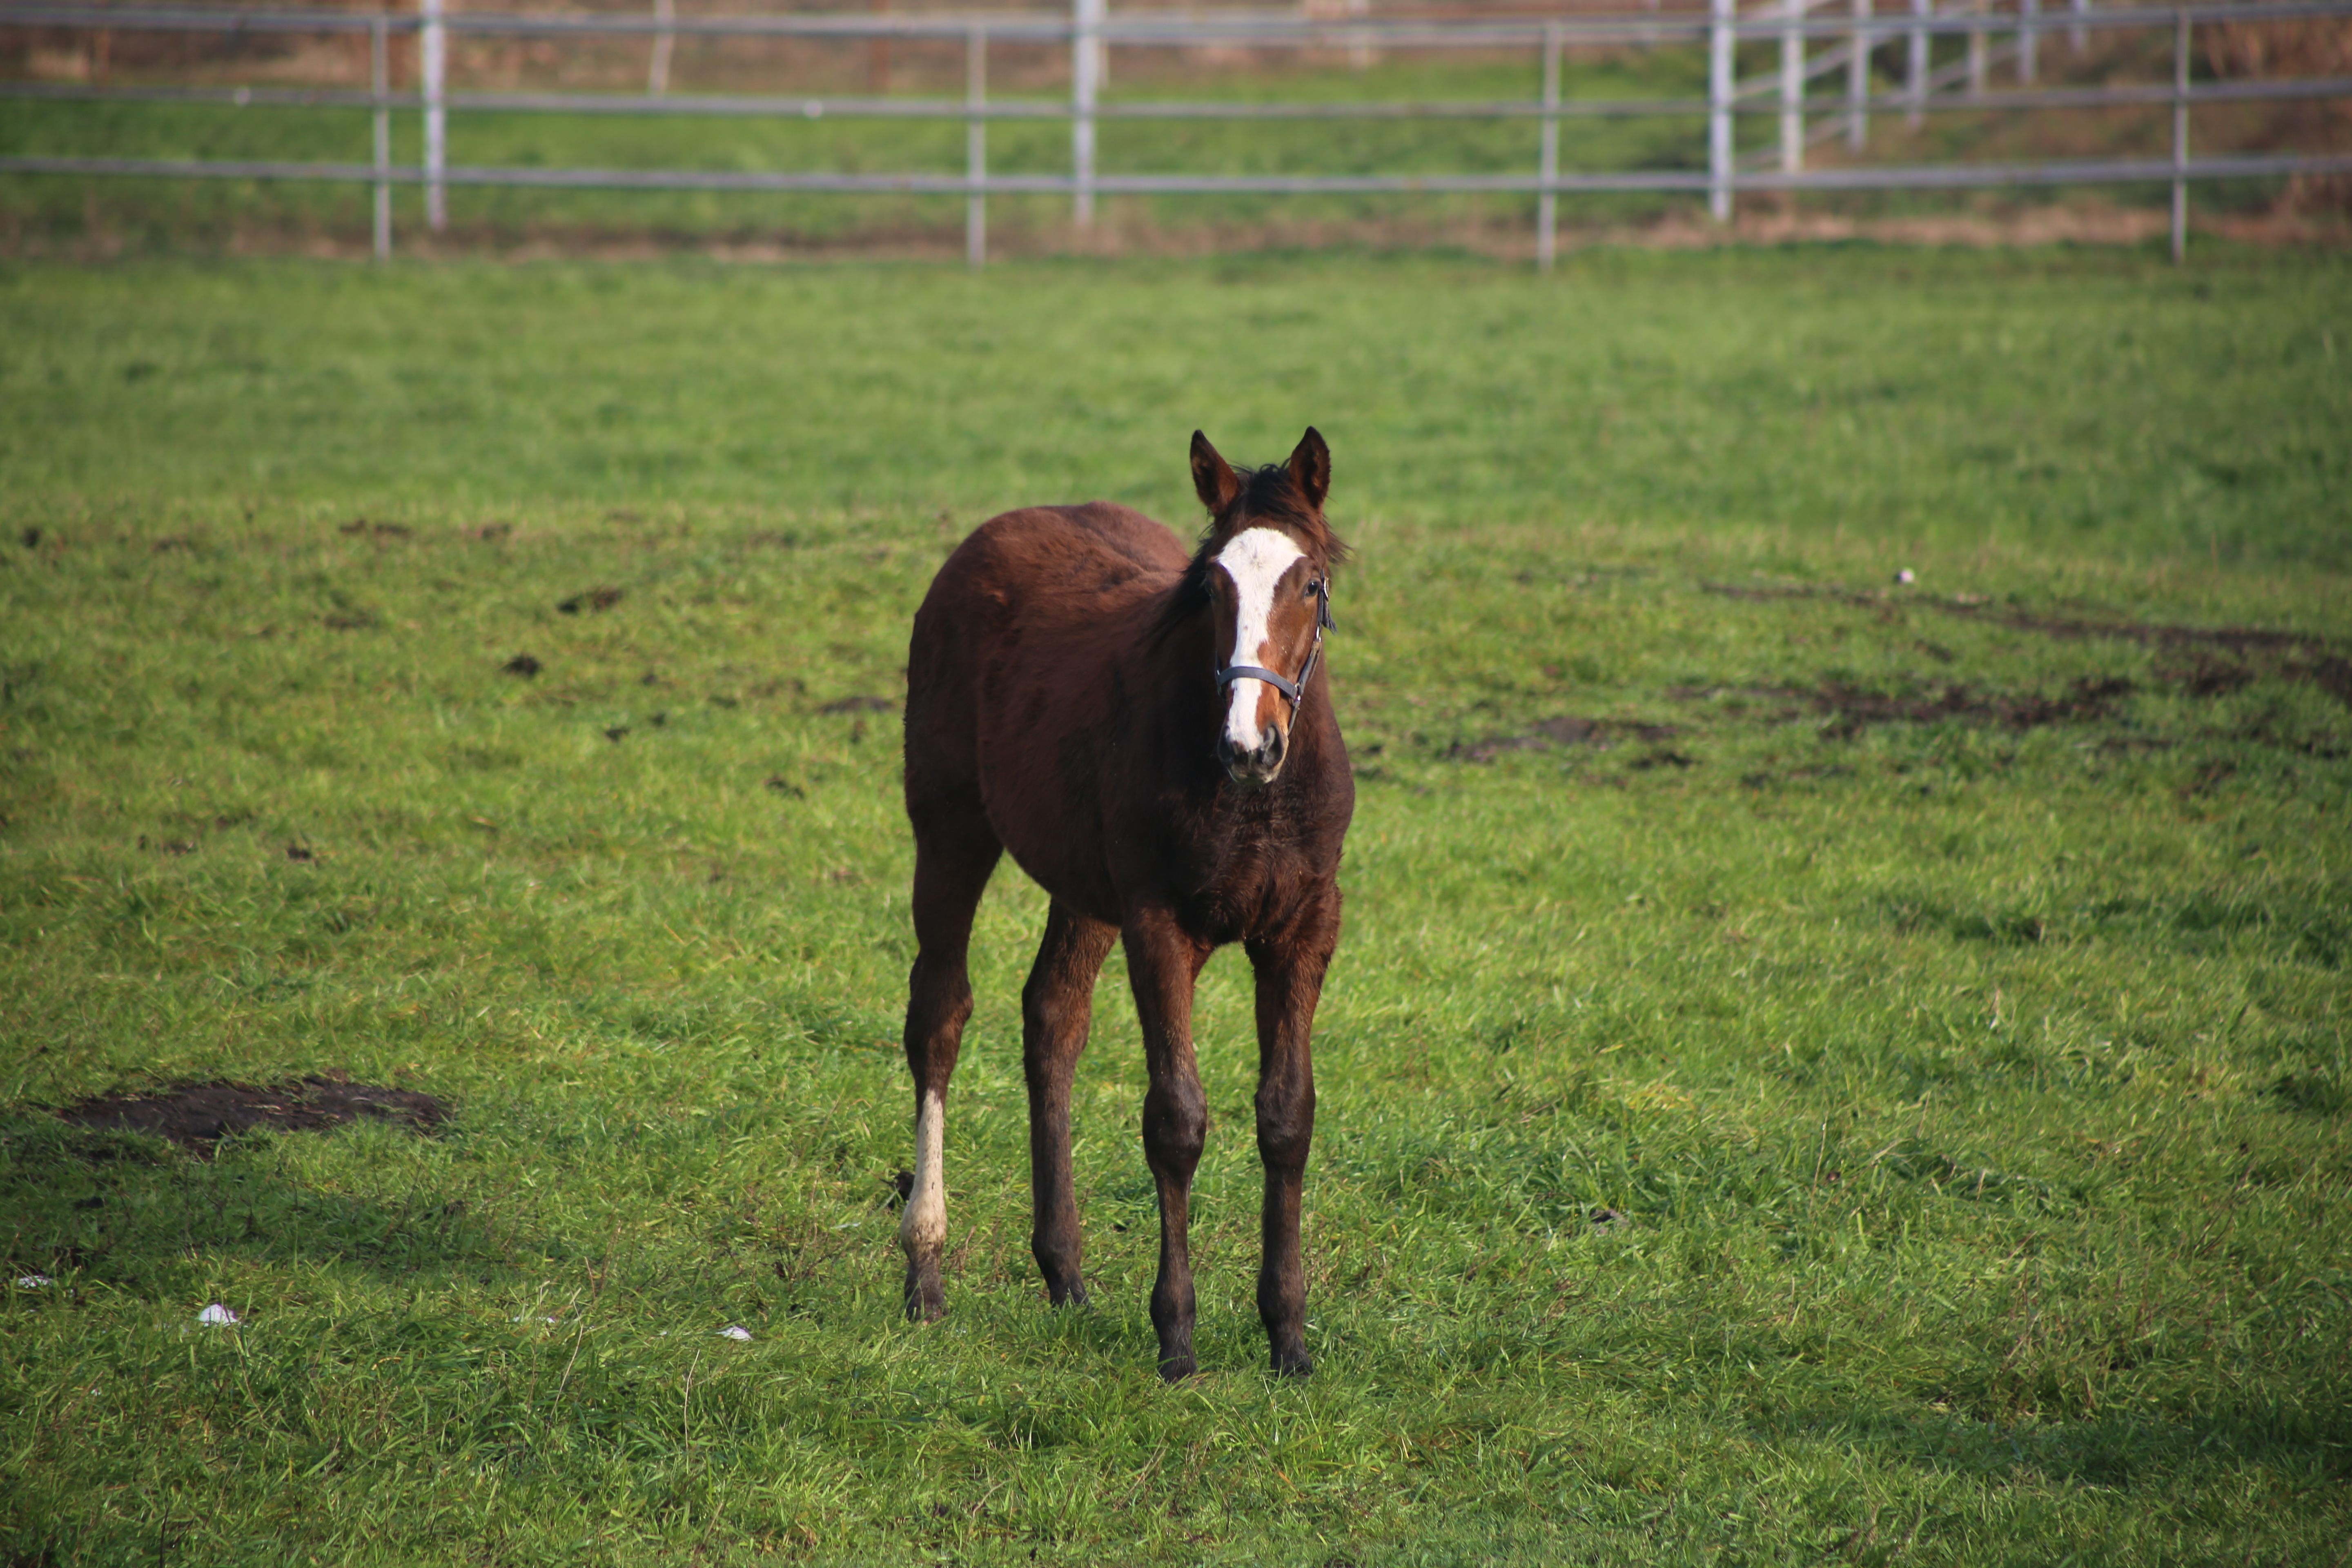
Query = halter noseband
x=1293 y=689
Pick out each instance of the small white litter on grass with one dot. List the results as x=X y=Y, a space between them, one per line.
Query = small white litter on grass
x=1904 y=577
x=735 y=1331
x=526 y=1317
x=33 y=1281
x=217 y=1315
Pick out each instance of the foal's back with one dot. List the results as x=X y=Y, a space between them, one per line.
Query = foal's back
x=1041 y=567
x=1026 y=630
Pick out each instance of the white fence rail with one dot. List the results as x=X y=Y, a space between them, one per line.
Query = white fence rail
x=1797 y=27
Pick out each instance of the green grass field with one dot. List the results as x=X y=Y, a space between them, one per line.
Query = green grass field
x=1817 y=1069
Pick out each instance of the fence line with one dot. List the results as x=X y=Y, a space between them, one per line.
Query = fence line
x=1186 y=30
x=1786 y=93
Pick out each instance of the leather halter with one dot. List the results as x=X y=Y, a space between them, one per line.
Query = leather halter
x=1293 y=689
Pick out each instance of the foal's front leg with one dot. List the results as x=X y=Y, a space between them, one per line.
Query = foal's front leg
x=1162 y=963
x=1289 y=982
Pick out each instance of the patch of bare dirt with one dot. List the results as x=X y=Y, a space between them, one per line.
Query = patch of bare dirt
x=2192 y=663
x=1852 y=710
x=2237 y=639
x=596 y=599
x=1598 y=733
x=198 y=1116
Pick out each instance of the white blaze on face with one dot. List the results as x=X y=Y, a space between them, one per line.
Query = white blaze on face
x=1255 y=559
x=924 y=1226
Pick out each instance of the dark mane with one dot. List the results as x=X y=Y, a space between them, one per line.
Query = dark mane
x=1269 y=495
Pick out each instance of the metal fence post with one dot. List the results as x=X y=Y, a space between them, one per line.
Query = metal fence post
x=2029 y=40
x=1793 y=87
x=1548 y=159
x=975 y=148
x=1979 y=52
x=380 y=85
x=2180 y=137
x=657 y=68
x=1915 y=82
x=1085 y=59
x=2079 y=37
x=1857 y=81
x=434 y=63
x=1721 y=40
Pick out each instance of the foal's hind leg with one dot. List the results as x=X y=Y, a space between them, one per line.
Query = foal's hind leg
x=1056 y=1007
x=954 y=853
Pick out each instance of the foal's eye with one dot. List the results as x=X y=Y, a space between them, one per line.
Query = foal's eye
x=1315 y=588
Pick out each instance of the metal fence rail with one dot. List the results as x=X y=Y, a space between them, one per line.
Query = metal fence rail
x=1805 y=118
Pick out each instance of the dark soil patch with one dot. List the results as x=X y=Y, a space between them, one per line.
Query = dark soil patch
x=1598 y=733
x=857 y=705
x=522 y=664
x=2205 y=676
x=2238 y=639
x=593 y=599
x=2289 y=656
x=197 y=1115
x=2332 y=673
x=1851 y=711
x=2326 y=745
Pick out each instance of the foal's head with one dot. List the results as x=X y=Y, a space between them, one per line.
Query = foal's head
x=1265 y=568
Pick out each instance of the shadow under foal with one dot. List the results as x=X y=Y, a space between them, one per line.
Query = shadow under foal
x=1150 y=734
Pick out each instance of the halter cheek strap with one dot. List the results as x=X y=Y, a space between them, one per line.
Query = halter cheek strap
x=1293 y=689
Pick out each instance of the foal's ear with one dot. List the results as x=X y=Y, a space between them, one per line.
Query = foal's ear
x=1310 y=468
x=1212 y=477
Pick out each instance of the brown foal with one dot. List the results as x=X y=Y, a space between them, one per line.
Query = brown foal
x=1150 y=733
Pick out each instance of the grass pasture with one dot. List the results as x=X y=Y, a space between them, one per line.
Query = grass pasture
x=1817 y=1069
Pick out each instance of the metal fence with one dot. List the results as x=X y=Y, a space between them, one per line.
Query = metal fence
x=1810 y=44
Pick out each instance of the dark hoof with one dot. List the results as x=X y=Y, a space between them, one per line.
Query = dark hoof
x=1295 y=1364
x=1072 y=1295
x=926 y=1302
x=1177 y=1368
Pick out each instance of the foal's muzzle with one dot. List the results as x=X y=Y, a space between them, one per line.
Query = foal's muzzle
x=1254 y=766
